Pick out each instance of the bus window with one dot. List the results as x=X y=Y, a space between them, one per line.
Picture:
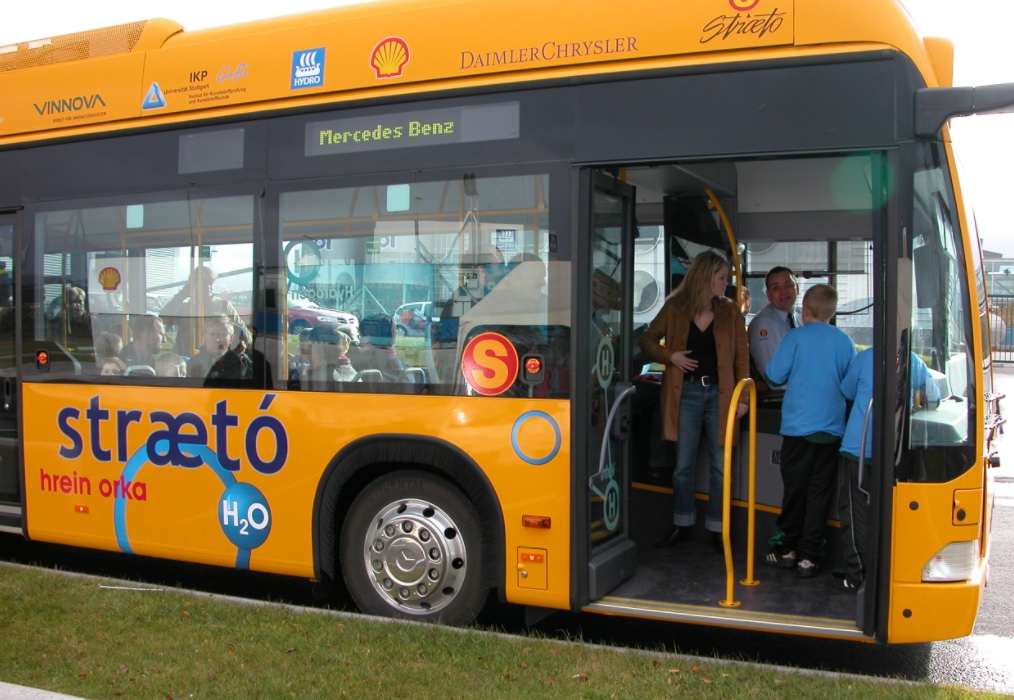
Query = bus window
x=942 y=436
x=429 y=269
x=106 y=264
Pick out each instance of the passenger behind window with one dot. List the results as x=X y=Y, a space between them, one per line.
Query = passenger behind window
x=68 y=318
x=260 y=366
x=148 y=335
x=169 y=364
x=112 y=367
x=301 y=361
x=215 y=361
x=196 y=300
x=107 y=348
x=376 y=348
x=328 y=364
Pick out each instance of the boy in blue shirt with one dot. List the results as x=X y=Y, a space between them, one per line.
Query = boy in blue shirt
x=853 y=501
x=811 y=362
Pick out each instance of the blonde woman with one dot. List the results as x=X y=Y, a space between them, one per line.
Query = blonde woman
x=705 y=355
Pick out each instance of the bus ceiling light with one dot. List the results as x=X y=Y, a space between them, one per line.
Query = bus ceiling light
x=955 y=562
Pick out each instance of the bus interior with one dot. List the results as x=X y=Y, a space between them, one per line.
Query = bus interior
x=820 y=217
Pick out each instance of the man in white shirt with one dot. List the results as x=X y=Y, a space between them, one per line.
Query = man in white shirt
x=775 y=320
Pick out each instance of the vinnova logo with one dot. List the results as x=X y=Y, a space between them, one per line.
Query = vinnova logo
x=72 y=104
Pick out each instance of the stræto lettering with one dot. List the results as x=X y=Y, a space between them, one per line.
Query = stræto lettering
x=724 y=26
x=177 y=437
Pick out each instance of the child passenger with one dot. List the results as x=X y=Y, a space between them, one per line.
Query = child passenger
x=169 y=364
x=853 y=503
x=810 y=361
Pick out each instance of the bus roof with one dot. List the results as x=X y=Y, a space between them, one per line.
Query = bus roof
x=154 y=72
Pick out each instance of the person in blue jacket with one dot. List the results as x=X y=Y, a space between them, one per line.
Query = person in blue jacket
x=811 y=362
x=853 y=499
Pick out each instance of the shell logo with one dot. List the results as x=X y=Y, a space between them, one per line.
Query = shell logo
x=109 y=278
x=389 y=57
x=490 y=364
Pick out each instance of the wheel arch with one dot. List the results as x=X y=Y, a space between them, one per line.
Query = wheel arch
x=371 y=458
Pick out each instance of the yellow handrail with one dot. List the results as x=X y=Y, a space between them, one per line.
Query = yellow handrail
x=730 y=425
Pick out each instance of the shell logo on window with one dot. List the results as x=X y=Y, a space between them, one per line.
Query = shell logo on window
x=389 y=57
x=109 y=278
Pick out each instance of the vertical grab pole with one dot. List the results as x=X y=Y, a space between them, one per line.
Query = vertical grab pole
x=730 y=425
x=751 y=513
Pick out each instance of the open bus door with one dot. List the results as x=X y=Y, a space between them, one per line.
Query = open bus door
x=10 y=485
x=604 y=477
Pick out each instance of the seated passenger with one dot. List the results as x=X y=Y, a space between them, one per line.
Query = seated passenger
x=107 y=347
x=376 y=348
x=68 y=317
x=112 y=367
x=215 y=360
x=169 y=364
x=328 y=363
x=149 y=334
x=260 y=366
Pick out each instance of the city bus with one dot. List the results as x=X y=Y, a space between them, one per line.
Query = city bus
x=534 y=178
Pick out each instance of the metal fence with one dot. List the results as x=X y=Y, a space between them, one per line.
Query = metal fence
x=1001 y=315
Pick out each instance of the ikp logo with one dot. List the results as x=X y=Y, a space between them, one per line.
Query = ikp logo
x=744 y=5
x=307 y=68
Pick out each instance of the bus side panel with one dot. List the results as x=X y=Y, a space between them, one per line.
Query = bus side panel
x=228 y=478
x=924 y=524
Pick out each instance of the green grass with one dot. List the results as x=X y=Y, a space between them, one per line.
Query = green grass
x=74 y=635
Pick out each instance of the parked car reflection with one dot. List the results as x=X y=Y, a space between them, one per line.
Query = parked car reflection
x=301 y=313
x=414 y=318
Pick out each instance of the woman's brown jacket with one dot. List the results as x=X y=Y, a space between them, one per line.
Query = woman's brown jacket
x=673 y=325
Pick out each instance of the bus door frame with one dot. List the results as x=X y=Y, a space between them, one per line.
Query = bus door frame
x=605 y=555
x=11 y=486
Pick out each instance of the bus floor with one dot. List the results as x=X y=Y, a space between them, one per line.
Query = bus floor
x=693 y=571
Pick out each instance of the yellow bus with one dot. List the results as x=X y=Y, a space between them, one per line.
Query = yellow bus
x=486 y=200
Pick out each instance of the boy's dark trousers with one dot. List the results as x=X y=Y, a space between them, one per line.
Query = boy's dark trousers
x=808 y=471
x=854 y=513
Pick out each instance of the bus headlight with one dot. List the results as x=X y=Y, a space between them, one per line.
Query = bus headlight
x=955 y=562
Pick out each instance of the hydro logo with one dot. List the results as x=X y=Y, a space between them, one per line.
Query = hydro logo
x=307 y=68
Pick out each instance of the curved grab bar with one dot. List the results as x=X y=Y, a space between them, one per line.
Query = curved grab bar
x=623 y=391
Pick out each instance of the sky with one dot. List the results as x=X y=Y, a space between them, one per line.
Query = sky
x=980 y=29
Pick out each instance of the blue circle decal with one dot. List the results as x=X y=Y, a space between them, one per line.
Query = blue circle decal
x=533 y=415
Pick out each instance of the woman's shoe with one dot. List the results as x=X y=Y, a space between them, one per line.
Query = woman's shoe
x=717 y=542
x=675 y=536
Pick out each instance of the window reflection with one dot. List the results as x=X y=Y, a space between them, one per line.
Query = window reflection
x=139 y=277
x=452 y=259
x=942 y=435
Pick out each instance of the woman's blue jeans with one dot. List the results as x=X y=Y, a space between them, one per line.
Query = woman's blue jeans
x=698 y=412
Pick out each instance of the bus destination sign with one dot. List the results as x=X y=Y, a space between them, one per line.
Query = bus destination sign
x=432 y=127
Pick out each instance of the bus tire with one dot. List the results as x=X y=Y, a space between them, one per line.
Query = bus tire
x=411 y=547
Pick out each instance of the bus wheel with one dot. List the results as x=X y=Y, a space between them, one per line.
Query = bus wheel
x=411 y=548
